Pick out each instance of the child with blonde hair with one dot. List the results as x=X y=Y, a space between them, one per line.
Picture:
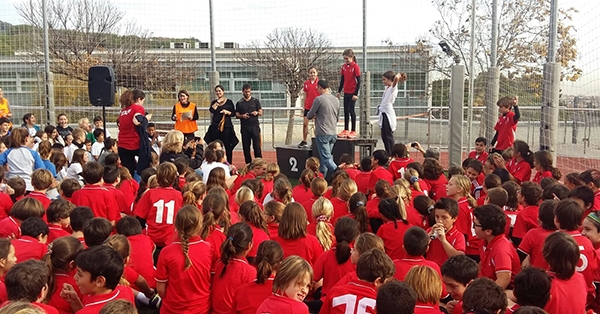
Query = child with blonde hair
x=313 y=163
x=322 y=211
x=318 y=187
x=340 y=201
x=242 y=195
x=459 y=189
x=290 y=286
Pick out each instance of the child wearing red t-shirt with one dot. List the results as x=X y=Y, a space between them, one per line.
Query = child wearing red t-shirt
x=530 y=248
x=58 y=219
x=322 y=228
x=27 y=282
x=457 y=273
x=102 y=202
x=358 y=296
x=251 y=295
x=318 y=186
x=215 y=223
x=273 y=211
x=519 y=167
x=363 y=178
x=483 y=294
x=591 y=178
x=67 y=187
x=182 y=165
x=256 y=168
x=129 y=186
x=96 y=231
x=393 y=228
x=458 y=189
x=334 y=264
x=41 y=180
x=474 y=171
x=340 y=201
x=232 y=270
x=282 y=192
x=112 y=178
x=480 y=153
x=346 y=163
x=10 y=227
x=416 y=185
x=383 y=189
x=378 y=162
x=60 y=260
x=302 y=192
x=395 y=297
x=290 y=286
x=310 y=92
x=363 y=243
x=446 y=241
x=499 y=259
x=529 y=197
x=542 y=162
x=506 y=127
x=242 y=195
x=251 y=214
x=532 y=288
x=158 y=207
x=293 y=236
x=193 y=193
x=99 y=261
x=350 y=83
x=7 y=261
x=591 y=230
x=269 y=179
x=400 y=161
x=142 y=248
x=32 y=243
x=358 y=211
x=562 y=254
x=183 y=269
x=428 y=286
x=433 y=175
x=78 y=217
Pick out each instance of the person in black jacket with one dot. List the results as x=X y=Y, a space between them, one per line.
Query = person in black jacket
x=173 y=147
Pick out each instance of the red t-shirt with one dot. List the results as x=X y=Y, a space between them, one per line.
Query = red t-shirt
x=310 y=88
x=308 y=204
x=238 y=272
x=350 y=72
x=532 y=245
x=9 y=227
x=159 y=207
x=141 y=259
x=340 y=209
x=436 y=252
x=301 y=194
x=121 y=200
x=352 y=173
x=520 y=170
x=477 y=186
x=40 y=197
x=405 y=264
x=240 y=179
x=393 y=238
x=267 y=188
x=506 y=127
x=526 y=220
x=307 y=247
x=414 y=218
x=128 y=135
x=437 y=188
x=188 y=291
x=596 y=205
x=250 y=296
x=362 y=181
x=129 y=189
x=499 y=256
x=539 y=175
x=481 y=157
x=397 y=167
x=99 y=199
x=55 y=299
x=273 y=228
x=258 y=237
x=372 y=207
x=356 y=297
x=216 y=237
x=93 y=304
x=27 y=247
x=588 y=259
x=464 y=221
x=5 y=205
x=278 y=304
x=426 y=308
x=55 y=232
x=48 y=309
x=566 y=296
x=312 y=228
x=328 y=269
x=380 y=173
x=3 y=293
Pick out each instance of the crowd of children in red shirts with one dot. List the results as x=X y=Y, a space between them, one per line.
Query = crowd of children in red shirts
x=388 y=235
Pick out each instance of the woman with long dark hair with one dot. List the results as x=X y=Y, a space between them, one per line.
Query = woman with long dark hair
x=221 y=127
x=132 y=102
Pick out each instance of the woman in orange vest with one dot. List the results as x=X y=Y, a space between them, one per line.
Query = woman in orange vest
x=4 y=106
x=185 y=115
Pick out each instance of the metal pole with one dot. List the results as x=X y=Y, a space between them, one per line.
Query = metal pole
x=550 y=95
x=493 y=86
x=213 y=76
x=471 y=79
x=365 y=102
x=49 y=84
x=457 y=98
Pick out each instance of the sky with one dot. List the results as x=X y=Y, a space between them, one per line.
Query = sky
x=402 y=21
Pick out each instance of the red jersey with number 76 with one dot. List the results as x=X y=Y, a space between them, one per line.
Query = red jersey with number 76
x=158 y=207
x=356 y=297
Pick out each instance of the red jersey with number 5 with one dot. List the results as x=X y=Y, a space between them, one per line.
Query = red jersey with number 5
x=158 y=207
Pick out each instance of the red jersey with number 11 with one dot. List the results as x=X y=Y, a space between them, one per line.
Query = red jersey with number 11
x=159 y=207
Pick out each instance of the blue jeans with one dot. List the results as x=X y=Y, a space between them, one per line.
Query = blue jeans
x=325 y=147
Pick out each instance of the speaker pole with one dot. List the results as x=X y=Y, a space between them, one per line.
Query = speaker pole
x=104 y=120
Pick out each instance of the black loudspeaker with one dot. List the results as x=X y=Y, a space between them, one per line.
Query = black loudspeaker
x=102 y=85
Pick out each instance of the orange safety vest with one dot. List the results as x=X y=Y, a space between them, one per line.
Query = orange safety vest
x=4 y=107
x=185 y=125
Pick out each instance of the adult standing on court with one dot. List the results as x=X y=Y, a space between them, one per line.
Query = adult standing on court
x=221 y=127
x=4 y=106
x=132 y=112
x=248 y=110
x=385 y=110
x=325 y=111
x=185 y=115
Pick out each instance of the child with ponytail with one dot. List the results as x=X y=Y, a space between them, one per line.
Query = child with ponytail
x=383 y=189
x=542 y=162
x=269 y=178
x=458 y=189
x=358 y=211
x=251 y=214
x=393 y=228
x=335 y=263
x=272 y=212
x=412 y=177
x=318 y=187
x=519 y=167
x=302 y=191
x=290 y=286
x=340 y=201
x=183 y=270
x=242 y=195
x=60 y=258
x=232 y=271
x=282 y=192
x=251 y=295
x=215 y=222
x=193 y=193
x=313 y=163
x=364 y=242
x=322 y=229
x=402 y=189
